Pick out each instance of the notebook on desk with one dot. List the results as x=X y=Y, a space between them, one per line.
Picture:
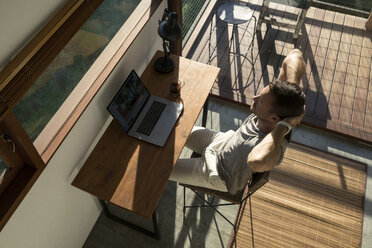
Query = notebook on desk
x=141 y=115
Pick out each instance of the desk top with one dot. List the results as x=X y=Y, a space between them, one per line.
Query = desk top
x=132 y=173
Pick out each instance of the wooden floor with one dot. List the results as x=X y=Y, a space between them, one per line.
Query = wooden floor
x=313 y=199
x=337 y=52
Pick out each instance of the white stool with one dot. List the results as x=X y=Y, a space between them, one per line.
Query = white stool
x=235 y=13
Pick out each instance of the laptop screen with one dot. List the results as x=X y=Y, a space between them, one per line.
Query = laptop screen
x=128 y=101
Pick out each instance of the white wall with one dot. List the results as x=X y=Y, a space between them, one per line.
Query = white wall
x=20 y=20
x=54 y=213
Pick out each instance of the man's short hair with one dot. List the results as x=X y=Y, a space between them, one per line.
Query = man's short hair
x=289 y=99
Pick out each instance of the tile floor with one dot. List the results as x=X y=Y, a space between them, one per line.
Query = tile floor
x=201 y=227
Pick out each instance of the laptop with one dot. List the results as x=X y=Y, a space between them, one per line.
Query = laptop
x=141 y=115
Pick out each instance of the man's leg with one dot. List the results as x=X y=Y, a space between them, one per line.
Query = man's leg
x=200 y=138
x=193 y=171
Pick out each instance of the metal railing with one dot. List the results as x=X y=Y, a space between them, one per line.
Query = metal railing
x=191 y=13
x=360 y=8
x=363 y=5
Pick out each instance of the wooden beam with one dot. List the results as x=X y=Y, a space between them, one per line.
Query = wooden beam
x=176 y=6
x=29 y=167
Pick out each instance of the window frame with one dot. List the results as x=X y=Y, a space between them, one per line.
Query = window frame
x=64 y=119
x=29 y=168
x=11 y=159
x=19 y=75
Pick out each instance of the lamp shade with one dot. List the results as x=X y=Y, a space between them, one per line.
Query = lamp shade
x=169 y=29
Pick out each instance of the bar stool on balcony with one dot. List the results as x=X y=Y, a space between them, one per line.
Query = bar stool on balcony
x=235 y=14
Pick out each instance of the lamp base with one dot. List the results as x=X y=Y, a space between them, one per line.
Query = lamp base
x=164 y=65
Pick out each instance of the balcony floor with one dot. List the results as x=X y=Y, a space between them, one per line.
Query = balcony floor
x=337 y=52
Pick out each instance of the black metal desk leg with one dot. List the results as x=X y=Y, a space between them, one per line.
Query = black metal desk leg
x=155 y=225
x=155 y=234
x=205 y=112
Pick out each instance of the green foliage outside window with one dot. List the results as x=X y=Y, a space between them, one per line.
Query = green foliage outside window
x=49 y=92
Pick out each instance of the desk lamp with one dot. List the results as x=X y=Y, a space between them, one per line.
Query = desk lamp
x=168 y=30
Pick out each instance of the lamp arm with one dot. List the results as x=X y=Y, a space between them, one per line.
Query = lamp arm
x=166 y=49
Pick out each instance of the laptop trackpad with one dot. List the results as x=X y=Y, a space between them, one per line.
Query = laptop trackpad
x=170 y=112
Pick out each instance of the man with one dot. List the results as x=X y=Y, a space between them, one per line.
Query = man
x=229 y=159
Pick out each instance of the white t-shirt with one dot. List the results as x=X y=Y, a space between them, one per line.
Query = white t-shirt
x=232 y=153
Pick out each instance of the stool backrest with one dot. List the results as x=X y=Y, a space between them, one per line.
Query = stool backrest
x=258 y=180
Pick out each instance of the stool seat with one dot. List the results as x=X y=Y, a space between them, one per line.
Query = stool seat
x=234 y=13
x=257 y=181
x=226 y=196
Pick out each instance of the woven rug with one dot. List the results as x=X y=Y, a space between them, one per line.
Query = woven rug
x=313 y=199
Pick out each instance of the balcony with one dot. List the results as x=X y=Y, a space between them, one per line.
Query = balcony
x=337 y=51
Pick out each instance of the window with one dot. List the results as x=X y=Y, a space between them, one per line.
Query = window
x=56 y=83
x=20 y=162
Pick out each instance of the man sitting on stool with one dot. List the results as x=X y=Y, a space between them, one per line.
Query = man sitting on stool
x=228 y=159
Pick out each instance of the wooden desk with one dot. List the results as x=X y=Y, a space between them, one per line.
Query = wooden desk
x=131 y=173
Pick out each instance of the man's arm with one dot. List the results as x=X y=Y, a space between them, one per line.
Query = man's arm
x=264 y=156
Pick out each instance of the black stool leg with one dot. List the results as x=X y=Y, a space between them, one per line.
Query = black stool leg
x=184 y=201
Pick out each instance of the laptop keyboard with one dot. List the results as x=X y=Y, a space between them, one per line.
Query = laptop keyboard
x=151 y=118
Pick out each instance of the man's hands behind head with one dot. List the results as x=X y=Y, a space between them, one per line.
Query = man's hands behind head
x=295 y=120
